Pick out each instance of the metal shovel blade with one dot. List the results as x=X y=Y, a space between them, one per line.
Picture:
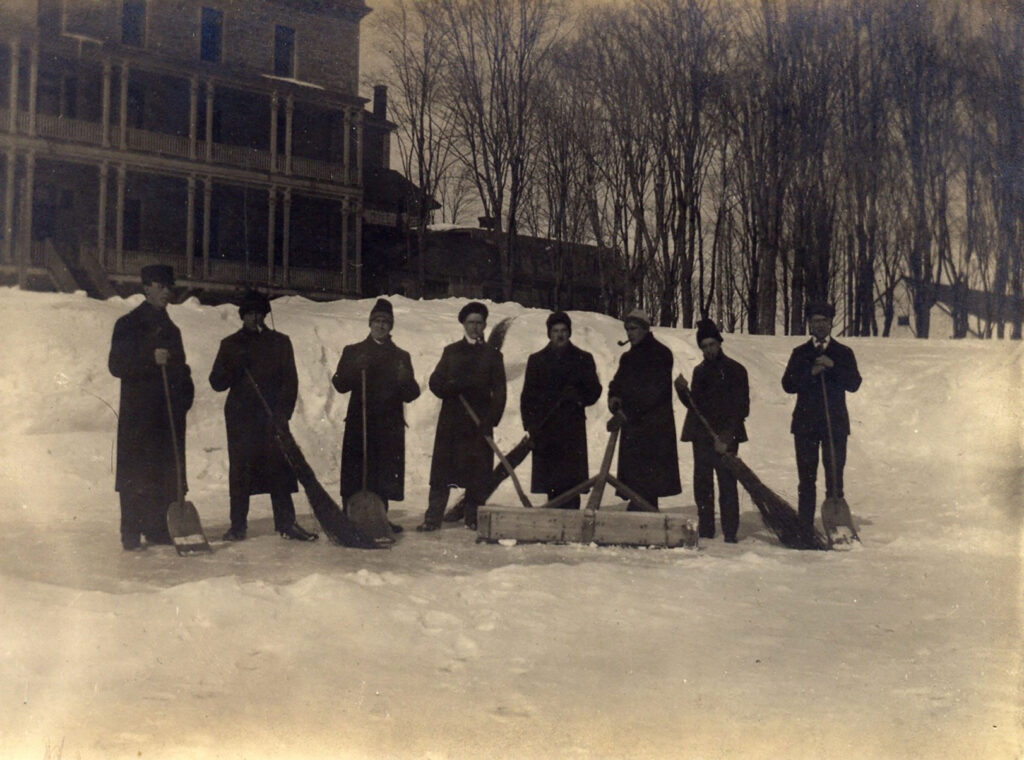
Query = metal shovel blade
x=838 y=523
x=366 y=511
x=185 y=529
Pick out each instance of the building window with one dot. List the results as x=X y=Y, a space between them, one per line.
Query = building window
x=212 y=31
x=133 y=23
x=284 y=51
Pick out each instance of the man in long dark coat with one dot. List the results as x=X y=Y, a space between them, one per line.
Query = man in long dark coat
x=642 y=390
x=469 y=369
x=256 y=463
x=561 y=381
x=390 y=384
x=721 y=393
x=145 y=344
x=821 y=356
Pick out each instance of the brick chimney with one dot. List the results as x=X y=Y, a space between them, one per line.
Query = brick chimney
x=380 y=101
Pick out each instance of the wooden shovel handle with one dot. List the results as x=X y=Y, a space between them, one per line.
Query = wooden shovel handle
x=501 y=457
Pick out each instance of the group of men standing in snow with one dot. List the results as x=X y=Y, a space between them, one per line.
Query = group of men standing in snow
x=256 y=366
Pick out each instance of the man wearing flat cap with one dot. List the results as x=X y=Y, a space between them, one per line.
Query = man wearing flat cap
x=720 y=392
x=561 y=381
x=821 y=356
x=469 y=369
x=390 y=384
x=256 y=465
x=145 y=345
x=642 y=391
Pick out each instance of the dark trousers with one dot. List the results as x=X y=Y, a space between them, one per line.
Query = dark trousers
x=807 y=472
x=437 y=500
x=280 y=502
x=573 y=503
x=143 y=514
x=707 y=464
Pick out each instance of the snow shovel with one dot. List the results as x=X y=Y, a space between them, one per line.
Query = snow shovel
x=182 y=518
x=835 y=512
x=365 y=508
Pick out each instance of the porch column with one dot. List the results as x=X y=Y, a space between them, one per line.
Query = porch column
x=122 y=116
x=209 y=120
x=289 y=112
x=274 y=107
x=105 y=104
x=359 y=247
x=122 y=173
x=207 y=204
x=271 y=224
x=286 y=223
x=346 y=141
x=359 y=148
x=12 y=106
x=101 y=215
x=344 y=245
x=33 y=88
x=193 y=119
x=12 y=169
x=190 y=227
x=25 y=236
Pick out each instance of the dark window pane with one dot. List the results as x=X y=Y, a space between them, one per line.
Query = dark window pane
x=213 y=21
x=133 y=22
x=284 y=51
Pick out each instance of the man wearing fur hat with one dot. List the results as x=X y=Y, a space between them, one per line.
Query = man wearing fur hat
x=469 y=369
x=561 y=381
x=256 y=463
x=642 y=391
x=821 y=356
x=145 y=344
x=720 y=392
x=389 y=385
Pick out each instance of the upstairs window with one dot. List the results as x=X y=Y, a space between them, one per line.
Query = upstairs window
x=284 y=51
x=133 y=23
x=211 y=35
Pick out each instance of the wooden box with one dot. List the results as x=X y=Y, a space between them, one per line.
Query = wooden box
x=603 y=527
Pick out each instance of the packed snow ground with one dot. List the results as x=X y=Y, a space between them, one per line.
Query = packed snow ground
x=908 y=646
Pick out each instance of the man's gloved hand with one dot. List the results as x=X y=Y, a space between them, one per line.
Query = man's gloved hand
x=614 y=404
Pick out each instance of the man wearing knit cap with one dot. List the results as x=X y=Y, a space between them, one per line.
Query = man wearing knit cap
x=145 y=344
x=256 y=463
x=642 y=391
x=469 y=369
x=720 y=392
x=390 y=384
x=561 y=381
x=821 y=356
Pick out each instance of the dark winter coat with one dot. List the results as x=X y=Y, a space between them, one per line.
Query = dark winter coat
x=461 y=455
x=145 y=453
x=257 y=464
x=389 y=384
x=647 y=452
x=809 y=413
x=559 y=385
x=722 y=394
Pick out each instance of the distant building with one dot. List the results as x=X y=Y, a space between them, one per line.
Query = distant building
x=224 y=137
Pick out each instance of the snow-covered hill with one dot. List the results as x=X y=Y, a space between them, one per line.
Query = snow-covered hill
x=442 y=648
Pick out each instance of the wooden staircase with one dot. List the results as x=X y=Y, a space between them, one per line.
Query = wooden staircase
x=71 y=271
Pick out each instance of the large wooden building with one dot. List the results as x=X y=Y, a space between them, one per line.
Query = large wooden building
x=224 y=137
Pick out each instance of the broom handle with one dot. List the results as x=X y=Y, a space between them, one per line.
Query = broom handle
x=828 y=427
x=174 y=433
x=700 y=416
x=362 y=378
x=501 y=457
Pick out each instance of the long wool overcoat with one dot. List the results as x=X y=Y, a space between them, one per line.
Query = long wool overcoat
x=721 y=392
x=476 y=371
x=256 y=462
x=809 y=412
x=389 y=384
x=145 y=454
x=559 y=385
x=648 y=458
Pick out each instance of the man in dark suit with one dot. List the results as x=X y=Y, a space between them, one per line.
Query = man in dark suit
x=720 y=393
x=561 y=381
x=469 y=369
x=256 y=463
x=146 y=343
x=820 y=357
